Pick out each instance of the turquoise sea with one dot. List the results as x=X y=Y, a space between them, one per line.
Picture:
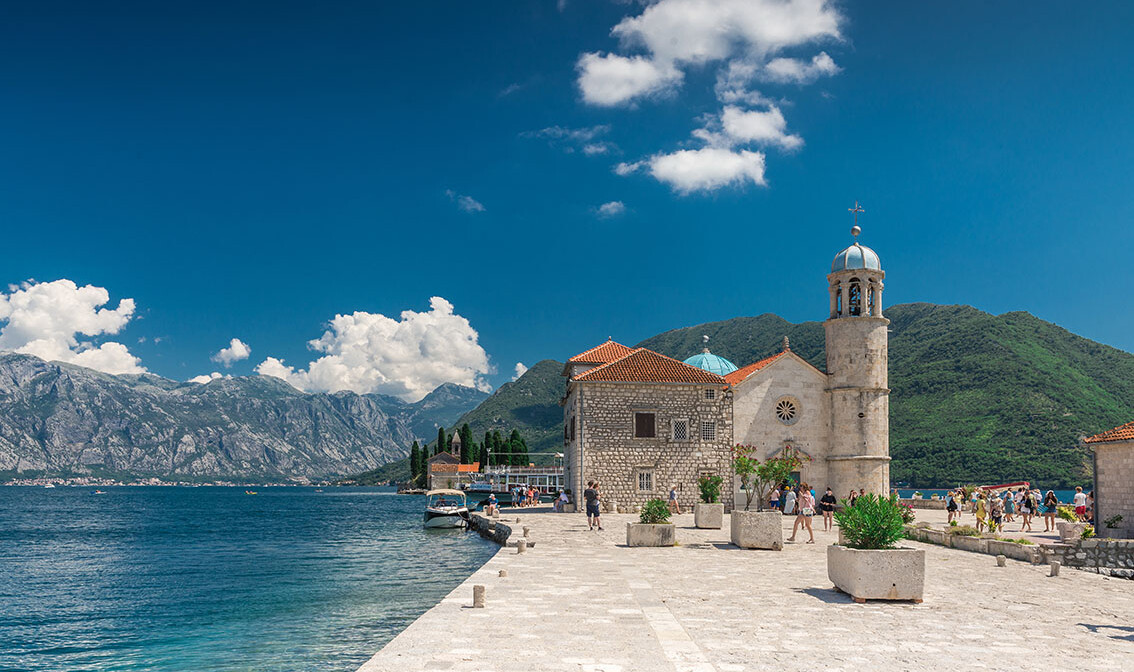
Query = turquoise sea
x=167 y=578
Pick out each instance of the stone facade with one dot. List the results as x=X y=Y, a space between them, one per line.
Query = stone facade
x=1114 y=487
x=631 y=470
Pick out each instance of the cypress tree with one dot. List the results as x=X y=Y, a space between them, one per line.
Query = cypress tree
x=517 y=450
x=414 y=462
x=486 y=448
x=468 y=446
x=483 y=456
x=441 y=445
x=500 y=449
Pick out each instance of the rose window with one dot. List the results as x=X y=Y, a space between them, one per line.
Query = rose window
x=786 y=411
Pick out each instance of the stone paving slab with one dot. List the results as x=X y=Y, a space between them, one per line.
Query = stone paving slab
x=583 y=601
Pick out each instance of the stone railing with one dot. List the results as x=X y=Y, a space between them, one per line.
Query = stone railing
x=1026 y=552
x=1103 y=556
x=938 y=504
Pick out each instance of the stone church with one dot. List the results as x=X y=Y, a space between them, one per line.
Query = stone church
x=640 y=423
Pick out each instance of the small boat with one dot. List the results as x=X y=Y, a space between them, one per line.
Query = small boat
x=99 y=492
x=481 y=487
x=49 y=485
x=446 y=509
x=250 y=492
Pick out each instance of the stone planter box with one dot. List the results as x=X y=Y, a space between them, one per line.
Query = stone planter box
x=1014 y=551
x=708 y=516
x=757 y=529
x=643 y=534
x=895 y=574
x=974 y=544
x=936 y=537
x=609 y=506
x=1070 y=532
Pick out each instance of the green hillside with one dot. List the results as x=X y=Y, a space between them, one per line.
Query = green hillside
x=975 y=397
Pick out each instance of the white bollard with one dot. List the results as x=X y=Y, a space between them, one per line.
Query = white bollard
x=527 y=532
x=522 y=546
x=1055 y=568
x=478 y=597
x=1000 y=560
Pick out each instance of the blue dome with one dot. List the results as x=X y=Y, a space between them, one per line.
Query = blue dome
x=854 y=257
x=711 y=363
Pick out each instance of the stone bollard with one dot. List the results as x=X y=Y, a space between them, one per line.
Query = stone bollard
x=1054 y=568
x=478 y=597
x=503 y=573
x=527 y=532
x=1000 y=560
x=521 y=546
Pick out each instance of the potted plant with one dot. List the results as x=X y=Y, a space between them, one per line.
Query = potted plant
x=653 y=527
x=917 y=494
x=1069 y=526
x=871 y=566
x=760 y=528
x=709 y=512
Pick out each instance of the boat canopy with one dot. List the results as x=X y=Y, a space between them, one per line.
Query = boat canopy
x=455 y=493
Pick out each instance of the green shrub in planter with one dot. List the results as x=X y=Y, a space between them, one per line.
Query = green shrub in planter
x=710 y=487
x=963 y=531
x=1088 y=532
x=1067 y=513
x=655 y=512
x=873 y=523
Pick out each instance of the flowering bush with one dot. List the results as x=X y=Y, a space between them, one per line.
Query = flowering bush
x=757 y=478
x=908 y=514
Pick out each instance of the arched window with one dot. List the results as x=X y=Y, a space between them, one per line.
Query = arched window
x=838 y=299
x=854 y=297
x=871 y=293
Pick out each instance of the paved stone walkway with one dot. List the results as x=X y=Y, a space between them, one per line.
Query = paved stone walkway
x=583 y=601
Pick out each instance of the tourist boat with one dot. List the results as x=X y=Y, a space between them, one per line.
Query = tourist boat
x=480 y=487
x=446 y=509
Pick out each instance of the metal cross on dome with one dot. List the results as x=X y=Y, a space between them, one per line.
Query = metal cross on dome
x=856 y=209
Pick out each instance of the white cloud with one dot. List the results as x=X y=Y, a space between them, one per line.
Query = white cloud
x=615 y=80
x=45 y=319
x=625 y=169
x=407 y=357
x=707 y=169
x=784 y=70
x=611 y=209
x=236 y=351
x=465 y=203
x=588 y=139
x=763 y=128
x=202 y=379
x=520 y=370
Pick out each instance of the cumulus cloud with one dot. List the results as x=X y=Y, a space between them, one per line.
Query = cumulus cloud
x=784 y=70
x=465 y=203
x=520 y=370
x=47 y=319
x=743 y=40
x=611 y=209
x=609 y=80
x=707 y=169
x=202 y=379
x=407 y=357
x=236 y=351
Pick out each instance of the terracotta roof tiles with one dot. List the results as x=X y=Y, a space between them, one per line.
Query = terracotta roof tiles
x=602 y=354
x=646 y=366
x=1120 y=433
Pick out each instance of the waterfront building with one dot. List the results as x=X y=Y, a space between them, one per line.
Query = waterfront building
x=444 y=470
x=1114 y=481
x=641 y=423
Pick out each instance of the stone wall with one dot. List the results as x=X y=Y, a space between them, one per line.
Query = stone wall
x=1114 y=487
x=756 y=423
x=1104 y=556
x=606 y=450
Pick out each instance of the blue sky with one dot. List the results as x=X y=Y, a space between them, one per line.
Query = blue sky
x=252 y=171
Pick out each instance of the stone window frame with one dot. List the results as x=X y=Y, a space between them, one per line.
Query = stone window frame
x=634 y=412
x=645 y=476
x=710 y=394
x=710 y=425
x=673 y=430
x=797 y=409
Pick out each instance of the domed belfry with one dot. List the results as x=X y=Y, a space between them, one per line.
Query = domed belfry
x=857 y=354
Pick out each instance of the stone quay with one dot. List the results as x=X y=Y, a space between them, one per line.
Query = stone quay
x=584 y=601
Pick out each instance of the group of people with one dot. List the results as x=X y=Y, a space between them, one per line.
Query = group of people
x=800 y=500
x=524 y=497
x=994 y=510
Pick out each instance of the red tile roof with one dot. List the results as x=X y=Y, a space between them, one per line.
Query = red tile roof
x=742 y=373
x=602 y=354
x=1120 y=433
x=646 y=366
x=455 y=468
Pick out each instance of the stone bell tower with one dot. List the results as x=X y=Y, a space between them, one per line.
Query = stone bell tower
x=857 y=353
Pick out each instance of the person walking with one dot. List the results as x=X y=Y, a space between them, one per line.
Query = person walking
x=981 y=512
x=995 y=514
x=1050 y=508
x=591 y=495
x=1009 y=507
x=827 y=506
x=1079 y=501
x=806 y=512
x=1027 y=510
x=789 y=502
x=674 y=505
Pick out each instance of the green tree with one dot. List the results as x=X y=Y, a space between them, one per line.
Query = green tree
x=756 y=477
x=415 y=462
x=486 y=449
x=483 y=456
x=499 y=449
x=441 y=444
x=517 y=449
x=468 y=446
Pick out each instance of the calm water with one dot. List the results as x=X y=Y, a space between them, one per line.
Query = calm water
x=214 y=579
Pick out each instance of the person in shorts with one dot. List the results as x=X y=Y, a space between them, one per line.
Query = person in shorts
x=827 y=506
x=591 y=495
x=806 y=506
x=1080 y=502
x=674 y=506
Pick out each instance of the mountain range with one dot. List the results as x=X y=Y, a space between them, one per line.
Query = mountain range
x=59 y=419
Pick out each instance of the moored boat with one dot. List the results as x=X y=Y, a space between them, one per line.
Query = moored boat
x=446 y=509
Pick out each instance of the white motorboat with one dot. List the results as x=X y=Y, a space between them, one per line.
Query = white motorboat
x=446 y=509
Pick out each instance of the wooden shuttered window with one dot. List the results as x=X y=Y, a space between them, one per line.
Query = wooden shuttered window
x=645 y=426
